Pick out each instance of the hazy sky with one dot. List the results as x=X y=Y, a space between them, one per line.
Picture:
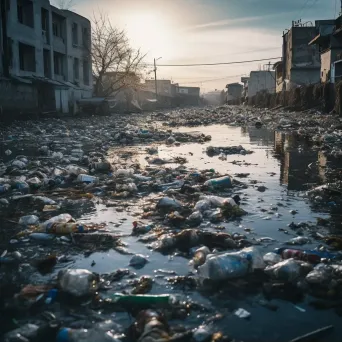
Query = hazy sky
x=208 y=31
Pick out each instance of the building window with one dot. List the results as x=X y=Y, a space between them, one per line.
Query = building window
x=27 y=57
x=74 y=34
x=47 y=63
x=86 y=72
x=45 y=25
x=57 y=25
x=58 y=61
x=76 y=69
x=85 y=37
x=25 y=12
x=9 y=52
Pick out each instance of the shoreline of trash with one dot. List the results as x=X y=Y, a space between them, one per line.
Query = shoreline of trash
x=47 y=190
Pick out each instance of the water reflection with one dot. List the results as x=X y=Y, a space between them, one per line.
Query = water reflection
x=298 y=161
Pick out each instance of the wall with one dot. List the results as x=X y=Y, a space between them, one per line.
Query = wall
x=325 y=66
x=17 y=97
x=327 y=58
x=234 y=92
x=163 y=87
x=301 y=57
x=304 y=76
x=261 y=80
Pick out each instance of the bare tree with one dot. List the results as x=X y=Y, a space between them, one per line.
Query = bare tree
x=64 y=4
x=116 y=65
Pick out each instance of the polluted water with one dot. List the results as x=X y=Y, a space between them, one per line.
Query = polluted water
x=200 y=227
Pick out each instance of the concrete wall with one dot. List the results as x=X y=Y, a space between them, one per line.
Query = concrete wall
x=261 y=80
x=327 y=59
x=234 y=91
x=302 y=62
x=17 y=97
x=304 y=76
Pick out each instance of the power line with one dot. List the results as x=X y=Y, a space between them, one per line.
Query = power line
x=207 y=64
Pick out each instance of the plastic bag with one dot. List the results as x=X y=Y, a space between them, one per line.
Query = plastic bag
x=167 y=203
x=288 y=270
x=321 y=274
x=195 y=218
x=62 y=218
x=202 y=206
x=29 y=220
x=272 y=258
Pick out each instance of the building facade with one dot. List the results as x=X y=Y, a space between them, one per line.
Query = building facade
x=262 y=80
x=234 y=91
x=300 y=62
x=49 y=47
x=329 y=42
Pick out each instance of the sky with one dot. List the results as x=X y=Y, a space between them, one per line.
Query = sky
x=208 y=31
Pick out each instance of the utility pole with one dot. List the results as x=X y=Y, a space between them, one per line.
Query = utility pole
x=155 y=75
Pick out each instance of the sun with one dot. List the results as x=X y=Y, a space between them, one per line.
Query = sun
x=151 y=32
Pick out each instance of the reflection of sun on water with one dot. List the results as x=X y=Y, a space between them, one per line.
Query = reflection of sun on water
x=150 y=32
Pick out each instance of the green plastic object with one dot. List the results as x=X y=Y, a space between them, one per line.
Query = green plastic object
x=124 y=299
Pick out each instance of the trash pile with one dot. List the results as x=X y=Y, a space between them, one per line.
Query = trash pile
x=57 y=176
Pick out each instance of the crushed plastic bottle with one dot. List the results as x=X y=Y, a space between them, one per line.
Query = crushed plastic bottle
x=82 y=178
x=231 y=265
x=288 y=270
x=78 y=282
x=219 y=183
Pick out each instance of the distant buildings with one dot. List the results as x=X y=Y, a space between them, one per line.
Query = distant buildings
x=44 y=62
x=300 y=63
x=261 y=80
x=234 y=91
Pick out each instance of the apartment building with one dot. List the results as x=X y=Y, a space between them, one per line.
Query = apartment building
x=48 y=47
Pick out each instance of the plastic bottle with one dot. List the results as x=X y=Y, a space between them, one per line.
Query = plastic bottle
x=101 y=166
x=231 y=265
x=62 y=218
x=101 y=332
x=4 y=188
x=78 y=282
x=141 y=229
x=305 y=255
x=200 y=256
x=123 y=299
x=151 y=327
x=41 y=236
x=124 y=172
x=65 y=228
x=82 y=178
x=219 y=183
x=24 y=333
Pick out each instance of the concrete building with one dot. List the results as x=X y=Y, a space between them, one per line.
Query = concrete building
x=300 y=62
x=262 y=80
x=187 y=95
x=329 y=42
x=49 y=49
x=244 y=94
x=234 y=91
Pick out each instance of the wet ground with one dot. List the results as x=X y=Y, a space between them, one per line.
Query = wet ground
x=287 y=167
